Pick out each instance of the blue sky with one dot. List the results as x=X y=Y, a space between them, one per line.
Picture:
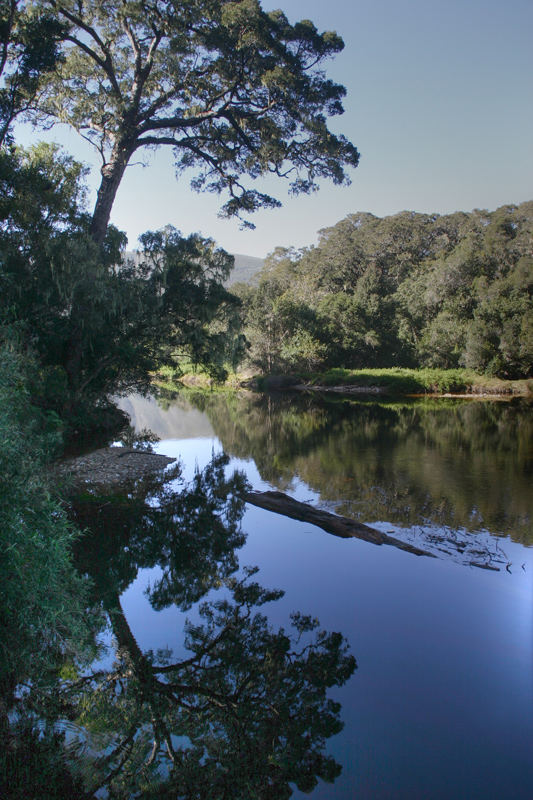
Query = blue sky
x=439 y=104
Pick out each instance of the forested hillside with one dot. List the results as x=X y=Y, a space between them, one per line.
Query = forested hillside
x=407 y=290
x=245 y=269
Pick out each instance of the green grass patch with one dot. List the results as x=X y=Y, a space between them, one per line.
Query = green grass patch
x=171 y=380
x=395 y=380
x=390 y=380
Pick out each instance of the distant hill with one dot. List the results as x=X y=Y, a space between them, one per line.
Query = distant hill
x=244 y=271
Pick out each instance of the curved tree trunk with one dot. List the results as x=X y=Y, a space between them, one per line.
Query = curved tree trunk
x=112 y=174
x=125 y=639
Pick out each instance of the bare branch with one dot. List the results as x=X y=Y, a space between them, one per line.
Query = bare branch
x=98 y=147
x=86 y=49
x=142 y=72
x=187 y=143
x=79 y=22
x=178 y=122
x=134 y=43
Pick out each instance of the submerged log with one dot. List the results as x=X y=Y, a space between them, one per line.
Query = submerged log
x=344 y=527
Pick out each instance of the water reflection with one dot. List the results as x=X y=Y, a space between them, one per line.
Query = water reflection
x=460 y=464
x=191 y=532
x=245 y=712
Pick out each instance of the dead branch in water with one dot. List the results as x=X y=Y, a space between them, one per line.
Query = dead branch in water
x=343 y=527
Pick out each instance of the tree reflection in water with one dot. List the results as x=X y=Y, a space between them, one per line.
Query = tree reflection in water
x=461 y=464
x=245 y=713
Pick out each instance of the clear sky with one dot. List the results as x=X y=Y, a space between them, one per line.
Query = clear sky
x=439 y=104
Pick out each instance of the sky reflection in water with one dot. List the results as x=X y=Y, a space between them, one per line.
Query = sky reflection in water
x=442 y=703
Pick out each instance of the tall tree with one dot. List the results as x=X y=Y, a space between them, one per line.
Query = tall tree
x=235 y=91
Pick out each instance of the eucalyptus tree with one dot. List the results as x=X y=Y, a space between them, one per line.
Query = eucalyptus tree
x=234 y=90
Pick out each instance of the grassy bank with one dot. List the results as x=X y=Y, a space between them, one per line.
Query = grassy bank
x=421 y=381
x=392 y=381
x=169 y=380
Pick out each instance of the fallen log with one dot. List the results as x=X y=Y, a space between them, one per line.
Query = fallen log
x=344 y=527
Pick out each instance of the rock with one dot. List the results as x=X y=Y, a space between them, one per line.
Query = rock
x=110 y=467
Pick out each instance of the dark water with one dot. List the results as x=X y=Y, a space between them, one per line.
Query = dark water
x=441 y=702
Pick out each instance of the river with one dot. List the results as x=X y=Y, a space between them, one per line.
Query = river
x=441 y=702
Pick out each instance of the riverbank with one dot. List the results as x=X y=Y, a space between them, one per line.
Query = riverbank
x=389 y=381
x=109 y=467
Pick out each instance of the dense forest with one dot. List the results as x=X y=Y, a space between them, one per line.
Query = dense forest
x=409 y=290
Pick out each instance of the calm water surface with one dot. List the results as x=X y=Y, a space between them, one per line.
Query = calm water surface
x=441 y=702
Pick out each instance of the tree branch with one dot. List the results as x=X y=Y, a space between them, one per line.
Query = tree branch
x=141 y=71
x=76 y=20
x=194 y=659
x=86 y=49
x=178 y=122
x=344 y=527
x=217 y=699
x=186 y=143
x=125 y=747
x=134 y=43
x=240 y=133
x=105 y=63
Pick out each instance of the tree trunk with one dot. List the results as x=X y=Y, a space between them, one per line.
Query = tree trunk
x=124 y=635
x=112 y=174
x=73 y=364
x=344 y=527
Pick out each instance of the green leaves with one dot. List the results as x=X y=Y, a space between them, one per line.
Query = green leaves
x=42 y=599
x=29 y=49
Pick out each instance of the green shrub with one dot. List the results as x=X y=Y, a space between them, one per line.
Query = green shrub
x=42 y=618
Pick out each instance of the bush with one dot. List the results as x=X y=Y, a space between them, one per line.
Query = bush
x=42 y=616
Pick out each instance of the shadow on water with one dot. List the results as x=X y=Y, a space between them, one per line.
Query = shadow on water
x=244 y=710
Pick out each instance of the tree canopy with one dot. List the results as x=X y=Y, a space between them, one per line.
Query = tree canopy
x=29 y=48
x=234 y=90
x=408 y=290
